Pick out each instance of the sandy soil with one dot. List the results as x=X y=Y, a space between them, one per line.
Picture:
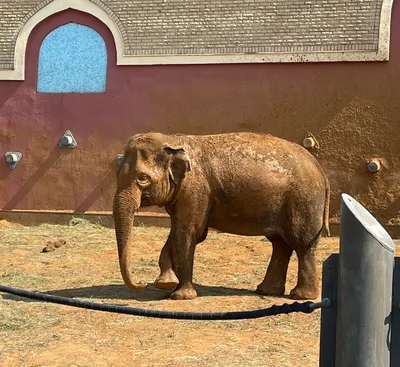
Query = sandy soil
x=227 y=270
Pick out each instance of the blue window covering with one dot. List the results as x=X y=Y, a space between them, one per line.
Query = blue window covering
x=72 y=58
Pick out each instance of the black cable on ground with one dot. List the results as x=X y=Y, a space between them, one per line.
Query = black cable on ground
x=305 y=307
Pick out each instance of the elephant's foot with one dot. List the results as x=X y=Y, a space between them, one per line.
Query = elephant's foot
x=267 y=289
x=184 y=292
x=166 y=280
x=299 y=293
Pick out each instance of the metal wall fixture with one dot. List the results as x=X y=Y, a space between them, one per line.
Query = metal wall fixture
x=310 y=142
x=13 y=158
x=120 y=159
x=374 y=165
x=68 y=141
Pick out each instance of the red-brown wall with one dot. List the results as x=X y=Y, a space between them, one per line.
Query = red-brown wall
x=351 y=108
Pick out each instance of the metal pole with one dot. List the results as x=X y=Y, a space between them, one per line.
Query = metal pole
x=365 y=280
x=327 y=346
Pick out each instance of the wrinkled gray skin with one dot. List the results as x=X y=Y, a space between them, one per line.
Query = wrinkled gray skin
x=240 y=183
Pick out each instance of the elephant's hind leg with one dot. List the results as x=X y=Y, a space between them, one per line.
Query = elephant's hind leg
x=275 y=278
x=167 y=278
x=307 y=283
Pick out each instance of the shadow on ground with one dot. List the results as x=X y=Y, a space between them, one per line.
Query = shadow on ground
x=122 y=292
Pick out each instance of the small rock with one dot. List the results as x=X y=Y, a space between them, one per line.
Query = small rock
x=53 y=245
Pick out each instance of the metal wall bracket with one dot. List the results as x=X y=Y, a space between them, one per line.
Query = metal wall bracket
x=120 y=159
x=374 y=165
x=13 y=158
x=68 y=141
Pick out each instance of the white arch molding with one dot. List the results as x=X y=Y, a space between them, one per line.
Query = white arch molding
x=18 y=73
x=56 y=6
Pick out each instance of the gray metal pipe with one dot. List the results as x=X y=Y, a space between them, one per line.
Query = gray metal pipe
x=365 y=281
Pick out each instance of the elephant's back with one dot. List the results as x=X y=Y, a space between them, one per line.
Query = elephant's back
x=232 y=143
x=243 y=154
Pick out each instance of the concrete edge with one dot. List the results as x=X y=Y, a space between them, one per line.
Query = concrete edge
x=105 y=219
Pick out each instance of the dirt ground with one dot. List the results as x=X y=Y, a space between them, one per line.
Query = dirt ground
x=227 y=270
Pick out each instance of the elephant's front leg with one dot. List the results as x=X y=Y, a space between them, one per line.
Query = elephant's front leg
x=183 y=246
x=167 y=278
x=189 y=223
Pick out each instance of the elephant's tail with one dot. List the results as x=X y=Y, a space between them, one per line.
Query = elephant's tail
x=326 y=208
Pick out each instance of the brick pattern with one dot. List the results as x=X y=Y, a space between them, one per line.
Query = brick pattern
x=157 y=27
x=248 y=26
x=13 y=15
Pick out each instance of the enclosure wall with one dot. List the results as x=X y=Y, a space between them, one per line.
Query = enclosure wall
x=351 y=108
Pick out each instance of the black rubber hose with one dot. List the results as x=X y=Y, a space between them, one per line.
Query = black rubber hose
x=305 y=307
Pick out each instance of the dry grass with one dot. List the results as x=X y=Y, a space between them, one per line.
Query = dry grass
x=227 y=270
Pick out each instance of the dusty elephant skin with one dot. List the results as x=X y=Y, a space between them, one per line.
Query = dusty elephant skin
x=240 y=183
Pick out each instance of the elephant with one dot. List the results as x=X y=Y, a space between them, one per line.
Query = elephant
x=243 y=183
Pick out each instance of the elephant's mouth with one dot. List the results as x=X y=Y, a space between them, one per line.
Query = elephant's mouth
x=145 y=200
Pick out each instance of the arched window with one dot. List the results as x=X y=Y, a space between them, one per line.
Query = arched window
x=72 y=58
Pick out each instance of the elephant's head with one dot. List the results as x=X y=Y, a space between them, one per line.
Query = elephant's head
x=150 y=174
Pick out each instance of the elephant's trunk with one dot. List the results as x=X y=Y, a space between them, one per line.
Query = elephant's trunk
x=125 y=204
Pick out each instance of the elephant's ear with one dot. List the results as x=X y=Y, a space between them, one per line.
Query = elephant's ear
x=179 y=164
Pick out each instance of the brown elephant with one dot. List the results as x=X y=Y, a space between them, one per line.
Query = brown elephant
x=241 y=183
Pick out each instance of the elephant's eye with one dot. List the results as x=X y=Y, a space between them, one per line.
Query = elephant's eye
x=143 y=178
